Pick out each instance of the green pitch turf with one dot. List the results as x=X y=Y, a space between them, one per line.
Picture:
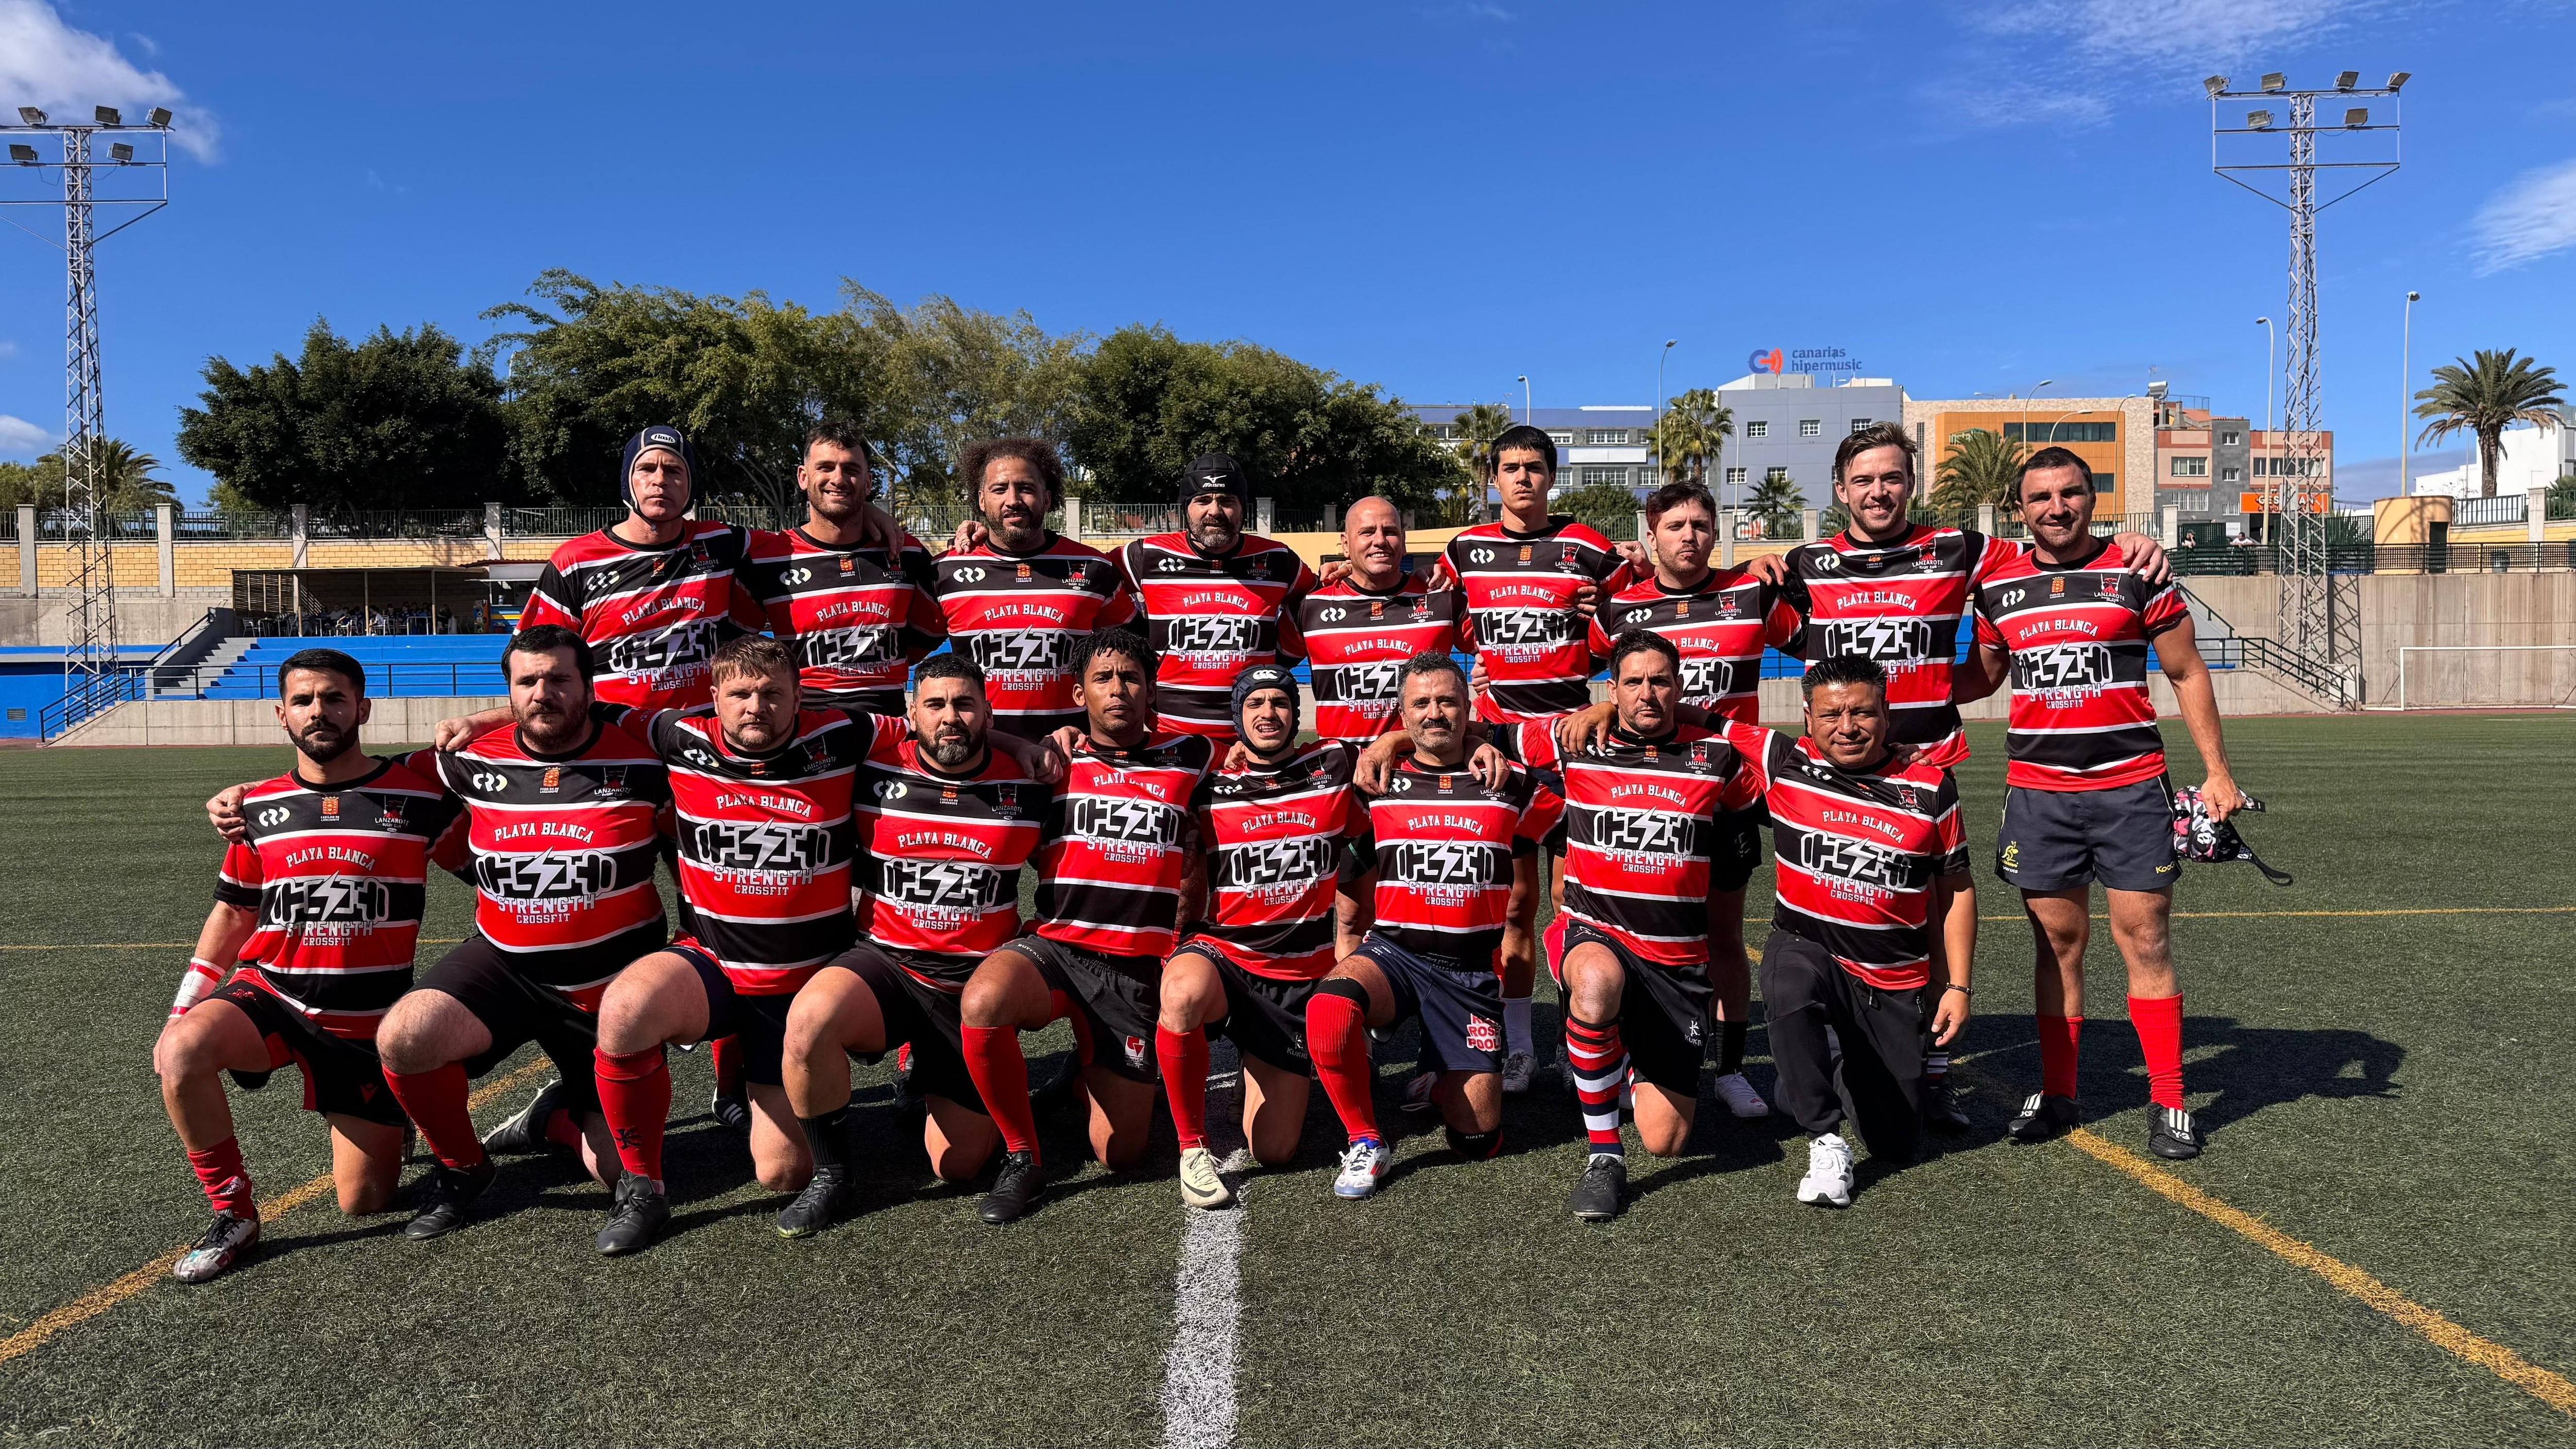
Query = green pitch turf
x=2390 y=1089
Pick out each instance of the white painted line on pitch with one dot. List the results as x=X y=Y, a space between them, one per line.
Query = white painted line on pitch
x=1207 y=1307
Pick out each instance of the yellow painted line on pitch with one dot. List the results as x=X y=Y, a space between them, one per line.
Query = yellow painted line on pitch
x=97 y=1301
x=2451 y=1338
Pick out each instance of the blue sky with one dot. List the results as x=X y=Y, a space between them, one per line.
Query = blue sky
x=1437 y=197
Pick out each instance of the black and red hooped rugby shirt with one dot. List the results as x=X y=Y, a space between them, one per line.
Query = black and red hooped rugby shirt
x=652 y=616
x=1858 y=852
x=1521 y=617
x=1275 y=837
x=337 y=874
x=1021 y=616
x=1640 y=828
x=2081 y=717
x=859 y=620
x=1721 y=626
x=1900 y=604
x=1209 y=619
x=765 y=840
x=940 y=857
x=1357 y=640
x=1117 y=845
x=563 y=849
x=1442 y=843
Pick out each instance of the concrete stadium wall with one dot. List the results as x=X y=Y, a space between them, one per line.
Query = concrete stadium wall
x=254 y=721
x=2399 y=610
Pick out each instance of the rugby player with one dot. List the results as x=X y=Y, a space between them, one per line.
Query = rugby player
x=1649 y=847
x=860 y=616
x=1215 y=600
x=316 y=915
x=1875 y=925
x=2086 y=795
x=1117 y=865
x=1529 y=581
x=1361 y=626
x=945 y=824
x=1447 y=850
x=1274 y=832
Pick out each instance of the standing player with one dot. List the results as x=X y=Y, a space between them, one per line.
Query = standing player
x=1018 y=598
x=1449 y=850
x=945 y=824
x=2087 y=796
x=1117 y=873
x=316 y=915
x=1647 y=850
x=861 y=617
x=1876 y=910
x=1274 y=831
x=1216 y=600
x=1529 y=582
x=1360 y=629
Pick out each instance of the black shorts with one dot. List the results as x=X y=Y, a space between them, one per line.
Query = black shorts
x=2052 y=840
x=340 y=1075
x=1039 y=726
x=758 y=1024
x=1738 y=851
x=1118 y=998
x=889 y=702
x=1264 y=1015
x=1663 y=1012
x=922 y=1015
x=1461 y=1010
x=487 y=981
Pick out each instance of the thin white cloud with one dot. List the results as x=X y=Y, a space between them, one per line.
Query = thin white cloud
x=2530 y=219
x=19 y=437
x=46 y=63
x=8 y=348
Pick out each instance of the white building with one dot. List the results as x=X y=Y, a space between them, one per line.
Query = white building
x=2533 y=458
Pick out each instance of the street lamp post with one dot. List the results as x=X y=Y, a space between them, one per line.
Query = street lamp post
x=1525 y=397
x=2268 y=339
x=2405 y=374
x=1660 y=359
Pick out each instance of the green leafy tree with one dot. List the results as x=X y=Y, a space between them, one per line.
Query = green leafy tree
x=1688 y=440
x=1780 y=504
x=1609 y=507
x=1979 y=468
x=1478 y=427
x=938 y=376
x=132 y=481
x=395 y=421
x=2481 y=395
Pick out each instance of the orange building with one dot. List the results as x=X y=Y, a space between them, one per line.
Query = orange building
x=2116 y=437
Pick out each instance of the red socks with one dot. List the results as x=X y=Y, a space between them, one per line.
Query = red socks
x=2159 y=1025
x=435 y=1102
x=1600 y=1062
x=226 y=1181
x=2057 y=1036
x=725 y=1055
x=1001 y=1076
x=562 y=1130
x=1337 y=1039
x=635 y=1097
x=1184 y=1058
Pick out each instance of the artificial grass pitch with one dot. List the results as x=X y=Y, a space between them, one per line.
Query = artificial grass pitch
x=2389 y=1088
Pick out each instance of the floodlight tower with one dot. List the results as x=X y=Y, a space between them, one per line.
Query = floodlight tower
x=141 y=184
x=2314 y=622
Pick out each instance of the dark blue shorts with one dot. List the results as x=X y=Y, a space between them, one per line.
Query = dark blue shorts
x=1461 y=1010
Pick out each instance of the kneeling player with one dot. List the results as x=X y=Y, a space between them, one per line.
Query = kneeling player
x=1274 y=830
x=319 y=907
x=1448 y=851
x=945 y=824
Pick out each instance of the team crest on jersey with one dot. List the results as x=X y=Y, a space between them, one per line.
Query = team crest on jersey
x=1445 y=779
x=2110 y=586
x=849 y=564
x=552 y=780
x=1930 y=561
x=1027 y=573
x=1527 y=553
x=1699 y=755
x=1377 y=608
x=1136 y=1049
x=2057 y=587
x=1483 y=1034
x=1681 y=609
x=330 y=807
x=698 y=551
x=390 y=816
x=1006 y=801
x=612 y=780
x=947 y=794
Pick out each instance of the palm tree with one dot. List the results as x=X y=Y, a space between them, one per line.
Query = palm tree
x=1981 y=468
x=1780 y=504
x=1477 y=427
x=127 y=481
x=1690 y=436
x=2479 y=396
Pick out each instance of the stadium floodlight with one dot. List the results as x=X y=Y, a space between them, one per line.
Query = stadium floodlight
x=2275 y=80
x=2346 y=79
x=29 y=115
x=2258 y=120
x=107 y=116
x=2357 y=116
x=22 y=153
x=2397 y=80
x=160 y=115
x=121 y=153
x=2215 y=84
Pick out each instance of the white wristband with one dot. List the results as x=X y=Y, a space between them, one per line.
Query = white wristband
x=203 y=976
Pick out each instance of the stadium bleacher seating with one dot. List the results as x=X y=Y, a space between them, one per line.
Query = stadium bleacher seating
x=397 y=665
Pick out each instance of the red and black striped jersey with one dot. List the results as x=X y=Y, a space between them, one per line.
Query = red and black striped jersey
x=337 y=874
x=765 y=839
x=1520 y=613
x=1899 y=603
x=1020 y=618
x=1274 y=836
x=1858 y=852
x=652 y=616
x=1442 y=843
x=564 y=847
x=859 y=621
x=1640 y=829
x=1209 y=619
x=1357 y=641
x=1721 y=628
x=1117 y=845
x=940 y=856
x=2081 y=717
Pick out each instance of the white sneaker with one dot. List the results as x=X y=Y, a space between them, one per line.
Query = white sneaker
x=1518 y=1069
x=1828 y=1182
x=1364 y=1166
x=1740 y=1098
x=1417 y=1093
x=226 y=1242
x=1201 y=1187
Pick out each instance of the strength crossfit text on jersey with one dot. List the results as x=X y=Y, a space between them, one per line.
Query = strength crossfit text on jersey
x=859 y=621
x=940 y=858
x=1442 y=843
x=1275 y=841
x=1520 y=590
x=1117 y=843
x=2078 y=634
x=1020 y=618
x=653 y=616
x=1357 y=641
x=1721 y=628
x=1209 y=619
x=1900 y=604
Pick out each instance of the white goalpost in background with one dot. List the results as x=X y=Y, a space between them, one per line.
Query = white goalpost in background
x=2473 y=676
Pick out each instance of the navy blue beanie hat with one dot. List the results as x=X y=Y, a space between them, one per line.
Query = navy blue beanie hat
x=1264 y=676
x=669 y=440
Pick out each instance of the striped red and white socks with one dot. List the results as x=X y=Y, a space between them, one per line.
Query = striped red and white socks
x=1600 y=1062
